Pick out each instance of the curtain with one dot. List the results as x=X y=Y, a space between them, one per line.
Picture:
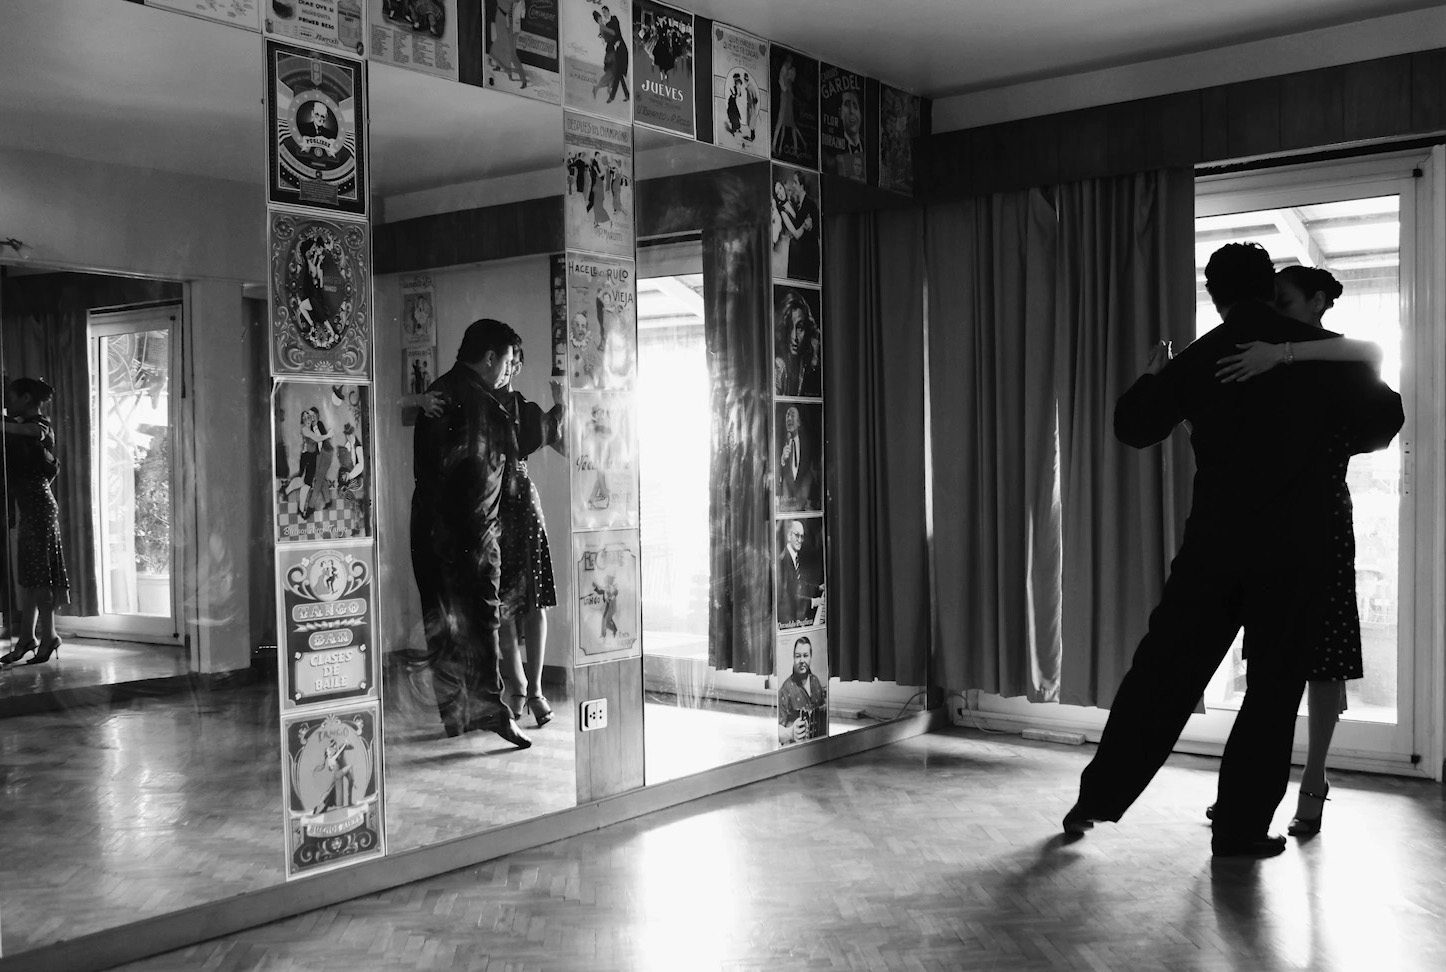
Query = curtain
x=997 y=546
x=1126 y=279
x=45 y=336
x=740 y=364
x=877 y=556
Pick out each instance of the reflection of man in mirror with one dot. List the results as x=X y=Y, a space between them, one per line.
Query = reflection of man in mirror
x=461 y=457
x=800 y=589
x=797 y=353
x=803 y=254
x=797 y=468
x=802 y=699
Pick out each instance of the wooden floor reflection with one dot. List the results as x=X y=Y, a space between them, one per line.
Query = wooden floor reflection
x=936 y=853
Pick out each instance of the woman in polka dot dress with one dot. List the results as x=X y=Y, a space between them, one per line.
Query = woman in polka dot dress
x=1306 y=293
x=31 y=466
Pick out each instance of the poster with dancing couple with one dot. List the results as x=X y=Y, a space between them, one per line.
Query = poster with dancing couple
x=798 y=572
x=241 y=13
x=663 y=38
x=320 y=296
x=740 y=91
x=841 y=104
x=795 y=226
x=333 y=788
x=801 y=667
x=898 y=127
x=419 y=311
x=597 y=56
x=316 y=124
x=522 y=48
x=325 y=624
x=416 y=34
x=602 y=322
x=609 y=601
x=798 y=451
x=421 y=370
x=795 y=107
x=604 y=465
x=338 y=24
x=598 y=194
x=322 y=462
x=797 y=343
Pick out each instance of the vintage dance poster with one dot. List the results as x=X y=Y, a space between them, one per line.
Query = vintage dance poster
x=333 y=788
x=795 y=107
x=797 y=342
x=317 y=129
x=598 y=194
x=557 y=290
x=323 y=461
x=841 y=122
x=325 y=23
x=740 y=91
x=796 y=227
x=798 y=572
x=320 y=296
x=604 y=463
x=602 y=322
x=242 y=13
x=419 y=311
x=801 y=667
x=522 y=49
x=421 y=370
x=609 y=601
x=597 y=57
x=798 y=456
x=663 y=40
x=417 y=34
x=325 y=624
x=898 y=127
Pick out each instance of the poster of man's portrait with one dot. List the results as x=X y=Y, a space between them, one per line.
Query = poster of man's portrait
x=798 y=572
x=802 y=670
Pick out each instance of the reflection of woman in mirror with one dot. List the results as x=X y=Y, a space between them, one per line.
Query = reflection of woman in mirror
x=796 y=350
x=506 y=26
x=527 y=587
x=784 y=228
x=785 y=123
x=31 y=466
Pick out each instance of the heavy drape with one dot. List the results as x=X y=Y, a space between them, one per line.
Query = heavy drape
x=873 y=341
x=740 y=365
x=1052 y=540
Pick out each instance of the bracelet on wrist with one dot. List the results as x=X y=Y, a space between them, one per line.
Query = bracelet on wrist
x=1289 y=356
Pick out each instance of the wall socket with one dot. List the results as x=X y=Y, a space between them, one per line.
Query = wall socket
x=592 y=715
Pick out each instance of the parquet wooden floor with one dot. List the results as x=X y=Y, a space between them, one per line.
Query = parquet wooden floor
x=937 y=853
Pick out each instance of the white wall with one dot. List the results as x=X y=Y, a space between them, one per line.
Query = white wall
x=1419 y=30
x=515 y=291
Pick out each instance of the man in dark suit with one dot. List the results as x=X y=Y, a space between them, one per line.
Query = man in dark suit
x=803 y=252
x=800 y=592
x=1259 y=522
x=797 y=466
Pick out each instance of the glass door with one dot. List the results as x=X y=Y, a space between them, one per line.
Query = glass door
x=132 y=470
x=1356 y=220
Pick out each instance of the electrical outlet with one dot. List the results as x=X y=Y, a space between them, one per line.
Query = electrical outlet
x=593 y=715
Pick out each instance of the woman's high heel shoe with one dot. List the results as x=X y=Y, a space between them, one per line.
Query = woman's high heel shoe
x=22 y=649
x=1308 y=826
x=540 y=710
x=46 y=649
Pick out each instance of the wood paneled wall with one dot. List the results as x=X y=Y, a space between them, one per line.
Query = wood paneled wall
x=610 y=760
x=1387 y=98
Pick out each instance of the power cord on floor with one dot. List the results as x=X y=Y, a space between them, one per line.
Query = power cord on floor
x=973 y=717
x=864 y=713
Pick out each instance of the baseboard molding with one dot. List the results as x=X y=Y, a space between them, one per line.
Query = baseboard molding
x=61 y=700
x=179 y=929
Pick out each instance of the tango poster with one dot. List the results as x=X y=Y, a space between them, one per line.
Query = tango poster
x=597 y=56
x=740 y=91
x=795 y=107
x=320 y=296
x=796 y=225
x=598 y=195
x=609 y=596
x=333 y=788
x=663 y=38
x=316 y=126
x=326 y=23
x=557 y=290
x=419 y=311
x=898 y=127
x=602 y=315
x=325 y=627
x=604 y=464
x=841 y=105
x=801 y=667
x=416 y=34
x=241 y=13
x=421 y=370
x=322 y=466
x=522 y=48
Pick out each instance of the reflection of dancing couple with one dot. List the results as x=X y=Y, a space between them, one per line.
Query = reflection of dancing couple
x=615 y=56
x=742 y=105
x=506 y=27
x=421 y=375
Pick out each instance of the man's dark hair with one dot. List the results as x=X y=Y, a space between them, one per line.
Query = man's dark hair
x=1240 y=271
x=483 y=336
x=803 y=641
